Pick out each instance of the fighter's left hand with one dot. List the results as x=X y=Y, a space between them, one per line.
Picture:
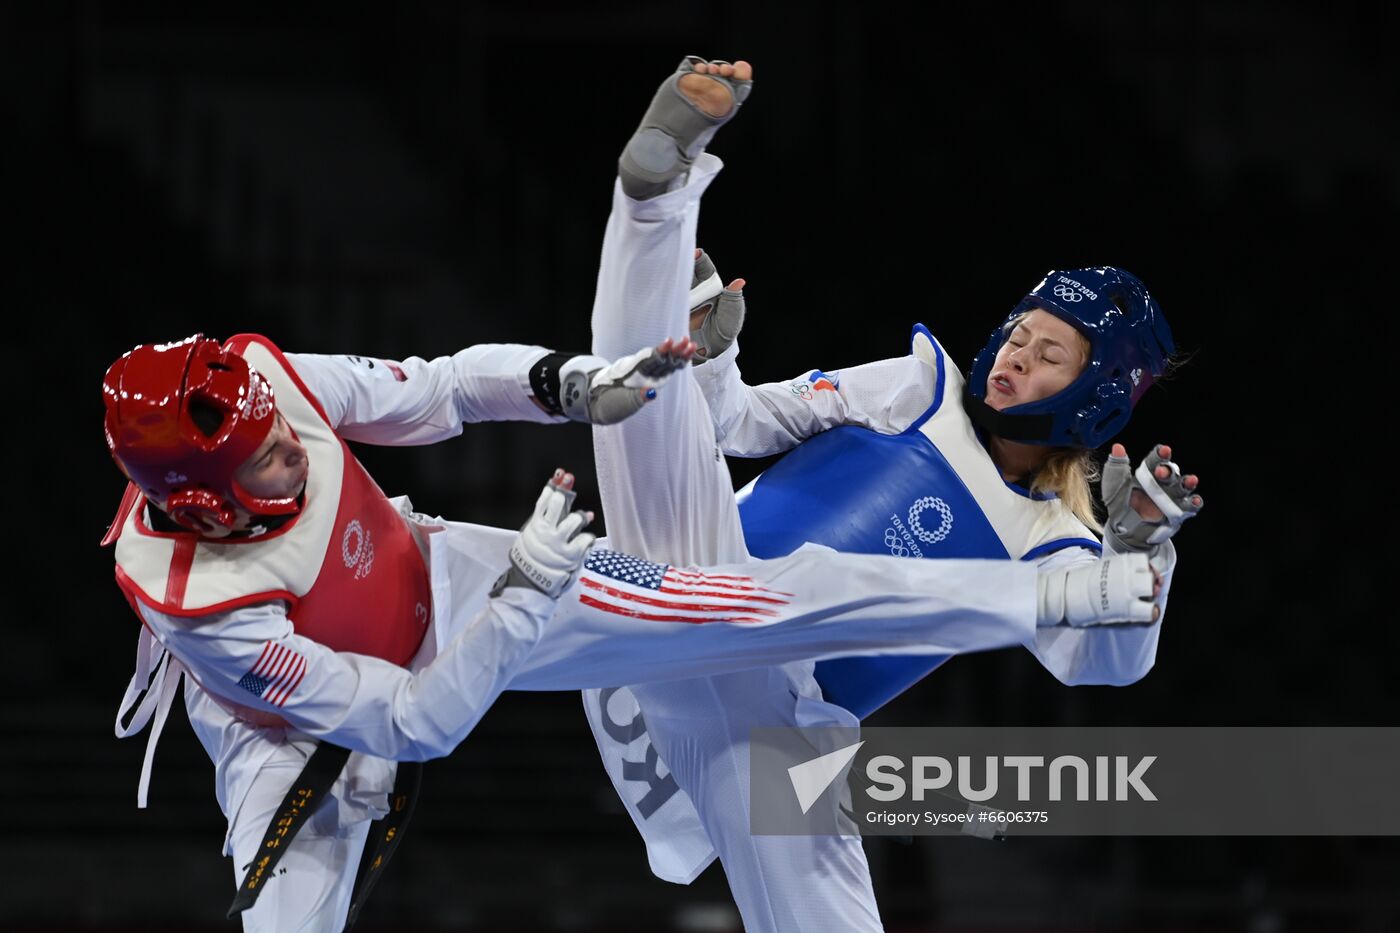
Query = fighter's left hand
x=716 y=313
x=620 y=390
x=1149 y=505
x=552 y=545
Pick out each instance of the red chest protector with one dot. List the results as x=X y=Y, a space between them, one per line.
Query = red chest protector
x=347 y=565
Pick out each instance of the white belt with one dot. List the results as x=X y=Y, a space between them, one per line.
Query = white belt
x=151 y=691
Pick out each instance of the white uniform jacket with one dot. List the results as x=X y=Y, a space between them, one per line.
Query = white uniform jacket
x=369 y=705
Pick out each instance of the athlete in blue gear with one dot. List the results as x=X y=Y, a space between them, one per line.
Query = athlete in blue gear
x=895 y=461
x=678 y=752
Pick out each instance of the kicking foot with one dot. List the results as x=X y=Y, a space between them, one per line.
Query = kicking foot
x=687 y=109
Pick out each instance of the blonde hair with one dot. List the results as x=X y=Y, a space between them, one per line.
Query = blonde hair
x=1068 y=472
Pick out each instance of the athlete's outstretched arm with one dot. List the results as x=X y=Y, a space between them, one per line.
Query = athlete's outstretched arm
x=252 y=657
x=755 y=421
x=416 y=401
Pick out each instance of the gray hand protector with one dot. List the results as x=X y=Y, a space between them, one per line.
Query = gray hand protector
x=723 y=311
x=1128 y=530
x=550 y=547
x=1113 y=590
x=595 y=392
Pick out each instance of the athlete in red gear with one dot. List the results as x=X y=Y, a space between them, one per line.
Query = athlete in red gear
x=307 y=607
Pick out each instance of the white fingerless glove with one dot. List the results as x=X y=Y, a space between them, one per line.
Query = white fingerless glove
x=1125 y=528
x=1113 y=590
x=550 y=548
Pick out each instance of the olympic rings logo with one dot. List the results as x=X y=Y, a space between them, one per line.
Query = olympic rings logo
x=945 y=519
x=802 y=390
x=1067 y=293
x=261 y=402
x=361 y=556
x=893 y=542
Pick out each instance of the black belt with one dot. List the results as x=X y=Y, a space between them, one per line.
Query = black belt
x=385 y=834
x=311 y=786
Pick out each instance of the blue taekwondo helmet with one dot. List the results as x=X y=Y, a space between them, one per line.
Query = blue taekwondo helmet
x=1129 y=342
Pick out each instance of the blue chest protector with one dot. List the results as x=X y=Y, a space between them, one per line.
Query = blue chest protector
x=858 y=491
x=851 y=489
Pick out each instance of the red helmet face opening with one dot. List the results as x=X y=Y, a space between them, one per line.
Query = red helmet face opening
x=181 y=419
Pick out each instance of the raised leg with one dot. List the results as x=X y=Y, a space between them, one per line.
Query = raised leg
x=668 y=496
x=628 y=620
x=666 y=489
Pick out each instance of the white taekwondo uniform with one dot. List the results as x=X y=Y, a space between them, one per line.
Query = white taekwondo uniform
x=677 y=751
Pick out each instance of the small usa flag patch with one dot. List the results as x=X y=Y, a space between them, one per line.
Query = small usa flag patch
x=275 y=675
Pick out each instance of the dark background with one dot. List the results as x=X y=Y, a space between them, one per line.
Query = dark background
x=408 y=179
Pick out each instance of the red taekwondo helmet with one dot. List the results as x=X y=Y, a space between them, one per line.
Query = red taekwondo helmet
x=181 y=419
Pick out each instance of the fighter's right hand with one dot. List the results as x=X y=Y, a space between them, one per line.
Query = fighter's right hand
x=716 y=312
x=1149 y=505
x=1116 y=589
x=551 y=546
x=594 y=391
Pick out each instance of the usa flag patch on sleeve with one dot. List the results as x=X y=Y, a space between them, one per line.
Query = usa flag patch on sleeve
x=275 y=675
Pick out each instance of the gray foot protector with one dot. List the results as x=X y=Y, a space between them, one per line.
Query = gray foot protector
x=724 y=311
x=672 y=133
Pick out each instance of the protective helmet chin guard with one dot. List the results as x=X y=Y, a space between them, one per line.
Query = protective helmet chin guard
x=181 y=419
x=1129 y=345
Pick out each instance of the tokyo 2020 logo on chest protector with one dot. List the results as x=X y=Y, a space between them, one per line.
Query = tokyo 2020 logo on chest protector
x=902 y=538
x=357 y=549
